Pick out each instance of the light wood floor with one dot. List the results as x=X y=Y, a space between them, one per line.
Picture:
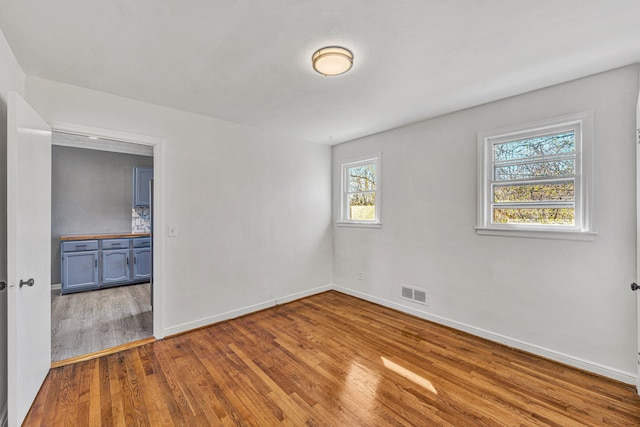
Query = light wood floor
x=87 y=322
x=329 y=360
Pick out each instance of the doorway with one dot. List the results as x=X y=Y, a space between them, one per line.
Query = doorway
x=92 y=192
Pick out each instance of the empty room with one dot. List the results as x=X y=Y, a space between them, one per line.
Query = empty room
x=370 y=213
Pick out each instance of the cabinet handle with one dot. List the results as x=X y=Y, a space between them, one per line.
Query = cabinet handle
x=127 y=260
x=81 y=246
x=135 y=259
x=96 y=263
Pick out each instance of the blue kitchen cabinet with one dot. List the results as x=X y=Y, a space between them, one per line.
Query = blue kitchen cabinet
x=141 y=186
x=116 y=269
x=142 y=255
x=141 y=264
x=103 y=263
x=79 y=266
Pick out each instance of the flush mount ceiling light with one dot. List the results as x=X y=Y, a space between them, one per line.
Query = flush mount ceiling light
x=332 y=60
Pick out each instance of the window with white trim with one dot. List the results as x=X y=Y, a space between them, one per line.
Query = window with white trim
x=536 y=178
x=361 y=192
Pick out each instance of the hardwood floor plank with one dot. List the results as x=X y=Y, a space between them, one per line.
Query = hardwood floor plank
x=328 y=360
x=106 y=407
x=94 y=393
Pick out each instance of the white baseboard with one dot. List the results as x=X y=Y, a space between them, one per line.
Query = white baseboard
x=56 y=286
x=617 y=374
x=184 y=327
x=4 y=416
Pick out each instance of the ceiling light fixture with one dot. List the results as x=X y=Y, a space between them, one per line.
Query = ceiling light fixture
x=332 y=60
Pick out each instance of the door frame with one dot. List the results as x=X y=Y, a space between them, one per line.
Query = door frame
x=157 y=145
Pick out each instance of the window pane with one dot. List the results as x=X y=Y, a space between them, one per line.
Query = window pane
x=362 y=178
x=537 y=170
x=362 y=206
x=552 y=216
x=548 y=145
x=533 y=192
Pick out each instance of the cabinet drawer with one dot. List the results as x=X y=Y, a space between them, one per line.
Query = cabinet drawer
x=115 y=244
x=141 y=242
x=80 y=245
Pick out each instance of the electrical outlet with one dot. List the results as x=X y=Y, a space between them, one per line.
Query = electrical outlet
x=172 y=230
x=360 y=275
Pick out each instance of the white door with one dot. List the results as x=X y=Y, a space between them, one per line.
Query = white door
x=28 y=255
x=634 y=286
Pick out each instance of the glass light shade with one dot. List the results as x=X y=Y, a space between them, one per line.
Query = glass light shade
x=332 y=60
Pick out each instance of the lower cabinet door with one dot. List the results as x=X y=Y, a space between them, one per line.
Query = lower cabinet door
x=79 y=271
x=141 y=264
x=115 y=267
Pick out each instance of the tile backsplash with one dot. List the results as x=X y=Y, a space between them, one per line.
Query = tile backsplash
x=140 y=220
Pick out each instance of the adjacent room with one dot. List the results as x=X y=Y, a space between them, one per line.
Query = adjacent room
x=101 y=249
x=350 y=213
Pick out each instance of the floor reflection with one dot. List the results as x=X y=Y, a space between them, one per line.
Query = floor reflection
x=364 y=382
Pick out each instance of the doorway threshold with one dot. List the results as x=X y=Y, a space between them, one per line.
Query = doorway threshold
x=100 y=353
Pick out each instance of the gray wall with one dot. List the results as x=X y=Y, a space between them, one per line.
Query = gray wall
x=562 y=298
x=91 y=192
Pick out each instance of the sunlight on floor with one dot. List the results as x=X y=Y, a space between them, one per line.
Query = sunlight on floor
x=410 y=375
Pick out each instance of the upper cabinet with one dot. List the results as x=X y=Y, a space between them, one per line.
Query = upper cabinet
x=141 y=186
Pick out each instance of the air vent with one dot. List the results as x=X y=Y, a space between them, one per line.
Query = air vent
x=414 y=294
x=407 y=293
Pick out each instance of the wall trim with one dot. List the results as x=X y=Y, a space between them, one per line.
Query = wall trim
x=73 y=140
x=184 y=327
x=107 y=139
x=577 y=362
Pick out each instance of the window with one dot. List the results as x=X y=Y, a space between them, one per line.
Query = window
x=536 y=179
x=361 y=192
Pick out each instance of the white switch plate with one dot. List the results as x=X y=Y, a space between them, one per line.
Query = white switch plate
x=172 y=230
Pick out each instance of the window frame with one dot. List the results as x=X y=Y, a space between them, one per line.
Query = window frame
x=583 y=228
x=345 y=221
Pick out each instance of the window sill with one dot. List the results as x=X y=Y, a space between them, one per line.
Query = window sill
x=359 y=224
x=587 y=236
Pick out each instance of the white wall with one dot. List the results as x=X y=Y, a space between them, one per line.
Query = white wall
x=252 y=209
x=569 y=300
x=11 y=79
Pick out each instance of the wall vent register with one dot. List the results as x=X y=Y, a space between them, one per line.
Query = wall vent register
x=414 y=294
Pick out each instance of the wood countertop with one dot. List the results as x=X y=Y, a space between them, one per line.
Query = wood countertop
x=102 y=236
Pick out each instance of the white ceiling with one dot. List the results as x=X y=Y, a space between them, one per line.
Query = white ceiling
x=249 y=62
